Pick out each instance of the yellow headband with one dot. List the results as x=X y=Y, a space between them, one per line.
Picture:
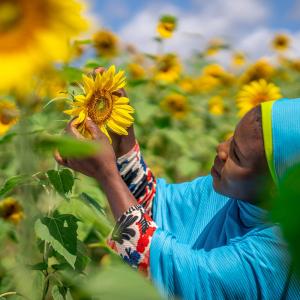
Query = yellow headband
x=266 y=111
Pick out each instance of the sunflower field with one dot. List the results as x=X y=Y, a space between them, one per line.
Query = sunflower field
x=54 y=222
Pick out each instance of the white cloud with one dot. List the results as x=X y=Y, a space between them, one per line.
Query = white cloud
x=242 y=23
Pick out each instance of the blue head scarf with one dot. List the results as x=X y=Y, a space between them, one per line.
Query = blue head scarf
x=208 y=246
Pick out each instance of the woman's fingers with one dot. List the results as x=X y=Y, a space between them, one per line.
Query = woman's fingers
x=59 y=158
x=72 y=130
x=93 y=129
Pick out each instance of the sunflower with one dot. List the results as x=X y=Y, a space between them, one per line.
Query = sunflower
x=106 y=43
x=136 y=71
x=9 y=115
x=238 y=59
x=102 y=103
x=214 y=46
x=176 y=104
x=281 y=42
x=33 y=34
x=216 y=105
x=11 y=210
x=187 y=84
x=255 y=93
x=167 y=68
x=166 y=26
x=261 y=69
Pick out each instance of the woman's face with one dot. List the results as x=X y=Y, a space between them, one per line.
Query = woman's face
x=240 y=168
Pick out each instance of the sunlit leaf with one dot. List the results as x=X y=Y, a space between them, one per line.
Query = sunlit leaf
x=61 y=232
x=67 y=146
x=61 y=180
x=13 y=182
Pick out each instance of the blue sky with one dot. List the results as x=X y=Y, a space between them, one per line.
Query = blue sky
x=248 y=24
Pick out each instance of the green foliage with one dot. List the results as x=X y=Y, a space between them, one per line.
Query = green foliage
x=61 y=180
x=67 y=146
x=60 y=231
x=286 y=210
x=12 y=183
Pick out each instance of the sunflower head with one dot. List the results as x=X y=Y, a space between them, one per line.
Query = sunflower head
x=176 y=104
x=255 y=93
x=102 y=102
x=33 y=34
x=11 y=210
x=281 y=42
x=214 y=46
x=166 y=26
x=188 y=85
x=216 y=105
x=167 y=68
x=238 y=59
x=136 y=71
x=261 y=69
x=106 y=43
x=9 y=115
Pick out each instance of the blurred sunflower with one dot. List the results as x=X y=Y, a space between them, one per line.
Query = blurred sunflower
x=205 y=83
x=214 y=46
x=216 y=105
x=166 y=26
x=295 y=65
x=11 y=210
x=281 y=42
x=238 y=59
x=136 y=71
x=187 y=84
x=103 y=104
x=9 y=115
x=106 y=43
x=33 y=34
x=219 y=73
x=176 y=104
x=261 y=69
x=255 y=93
x=167 y=68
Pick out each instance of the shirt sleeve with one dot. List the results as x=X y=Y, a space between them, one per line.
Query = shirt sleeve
x=138 y=177
x=131 y=237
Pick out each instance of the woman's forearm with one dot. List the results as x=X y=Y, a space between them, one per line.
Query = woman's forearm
x=117 y=192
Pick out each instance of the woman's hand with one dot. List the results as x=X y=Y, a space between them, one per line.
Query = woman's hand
x=122 y=144
x=99 y=166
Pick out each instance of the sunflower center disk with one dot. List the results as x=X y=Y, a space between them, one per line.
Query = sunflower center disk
x=10 y=14
x=100 y=108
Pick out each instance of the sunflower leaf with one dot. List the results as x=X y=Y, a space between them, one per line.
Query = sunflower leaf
x=62 y=180
x=67 y=146
x=60 y=231
x=12 y=182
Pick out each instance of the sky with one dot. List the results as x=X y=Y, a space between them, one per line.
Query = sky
x=248 y=25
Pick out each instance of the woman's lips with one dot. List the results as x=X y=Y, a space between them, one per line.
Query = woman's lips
x=214 y=172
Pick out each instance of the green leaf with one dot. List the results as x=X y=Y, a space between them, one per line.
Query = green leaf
x=62 y=180
x=71 y=74
x=39 y=266
x=87 y=199
x=61 y=232
x=286 y=210
x=67 y=146
x=7 y=138
x=56 y=294
x=11 y=183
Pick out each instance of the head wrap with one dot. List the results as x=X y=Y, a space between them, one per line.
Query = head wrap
x=281 y=132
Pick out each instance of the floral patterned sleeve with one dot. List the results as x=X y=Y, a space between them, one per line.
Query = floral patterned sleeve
x=138 y=177
x=131 y=237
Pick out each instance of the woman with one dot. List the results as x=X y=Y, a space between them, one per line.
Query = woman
x=204 y=239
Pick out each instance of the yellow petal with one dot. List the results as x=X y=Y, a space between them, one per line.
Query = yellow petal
x=116 y=128
x=121 y=100
x=80 y=98
x=88 y=83
x=104 y=130
x=73 y=112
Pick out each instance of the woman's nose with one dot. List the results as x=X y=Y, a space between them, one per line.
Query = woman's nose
x=222 y=153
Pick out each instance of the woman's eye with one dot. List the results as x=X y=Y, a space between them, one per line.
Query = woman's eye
x=235 y=155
